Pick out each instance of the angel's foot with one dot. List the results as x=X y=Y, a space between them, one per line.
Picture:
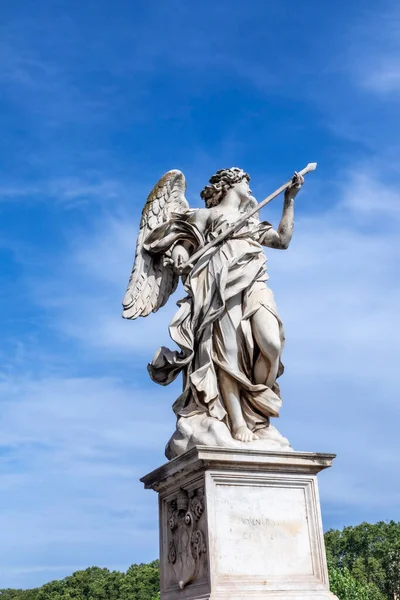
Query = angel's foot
x=243 y=434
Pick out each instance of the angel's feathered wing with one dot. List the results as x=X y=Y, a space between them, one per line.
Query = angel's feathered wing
x=152 y=282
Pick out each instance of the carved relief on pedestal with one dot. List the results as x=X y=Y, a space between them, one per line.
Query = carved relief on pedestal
x=186 y=539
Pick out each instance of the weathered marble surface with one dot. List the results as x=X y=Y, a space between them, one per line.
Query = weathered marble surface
x=241 y=524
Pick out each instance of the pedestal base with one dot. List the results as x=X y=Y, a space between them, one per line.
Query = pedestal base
x=238 y=524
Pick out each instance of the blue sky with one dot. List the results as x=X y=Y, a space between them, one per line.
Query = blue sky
x=98 y=100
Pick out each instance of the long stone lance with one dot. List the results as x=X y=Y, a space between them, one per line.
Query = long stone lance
x=310 y=167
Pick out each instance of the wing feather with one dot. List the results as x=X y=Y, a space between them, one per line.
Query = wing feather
x=152 y=282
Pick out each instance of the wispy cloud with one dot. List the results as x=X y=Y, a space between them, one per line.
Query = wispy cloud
x=366 y=195
x=378 y=54
x=68 y=191
x=39 y=77
x=71 y=454
x=384 y=78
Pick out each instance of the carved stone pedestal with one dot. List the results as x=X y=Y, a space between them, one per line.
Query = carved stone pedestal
x=241 y=524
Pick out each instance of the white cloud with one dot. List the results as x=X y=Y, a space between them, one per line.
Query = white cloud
x=71 y=453
x=374 y=50
x=365 y=195
x=384 y=79
x=69 y=191
x=87 y=294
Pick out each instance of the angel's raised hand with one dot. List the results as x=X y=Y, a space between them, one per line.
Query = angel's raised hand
x=294 y=187
x=297 y=180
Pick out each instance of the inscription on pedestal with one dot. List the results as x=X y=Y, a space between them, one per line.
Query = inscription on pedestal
x=264 y=531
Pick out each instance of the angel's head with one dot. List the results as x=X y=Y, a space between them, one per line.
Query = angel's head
x=222 y=182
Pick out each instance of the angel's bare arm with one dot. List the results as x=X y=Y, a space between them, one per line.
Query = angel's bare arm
x=281 y=237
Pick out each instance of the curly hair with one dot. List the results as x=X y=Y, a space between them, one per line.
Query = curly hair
x=221 y=182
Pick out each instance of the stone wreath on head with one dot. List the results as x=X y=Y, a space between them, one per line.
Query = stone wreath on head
x=221 y=182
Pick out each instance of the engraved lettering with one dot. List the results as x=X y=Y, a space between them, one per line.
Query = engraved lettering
x=259 y=521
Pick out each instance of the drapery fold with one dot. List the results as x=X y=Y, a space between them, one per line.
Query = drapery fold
x=235 y=270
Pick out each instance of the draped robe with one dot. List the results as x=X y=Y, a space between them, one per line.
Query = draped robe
x=236 y=268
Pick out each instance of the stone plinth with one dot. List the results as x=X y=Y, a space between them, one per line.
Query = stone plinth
x=241 y=524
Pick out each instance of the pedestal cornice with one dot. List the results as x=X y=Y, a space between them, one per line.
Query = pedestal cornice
x=203 y=458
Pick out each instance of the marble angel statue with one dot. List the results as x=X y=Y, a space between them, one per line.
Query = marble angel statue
x=227 y=328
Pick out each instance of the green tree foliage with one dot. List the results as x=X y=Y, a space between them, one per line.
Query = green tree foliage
x=140 y=582
x=347 y=587
x=369 y=553
x=18 y=594
x=393 y=573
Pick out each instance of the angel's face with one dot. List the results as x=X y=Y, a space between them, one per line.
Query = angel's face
x=243 y=190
